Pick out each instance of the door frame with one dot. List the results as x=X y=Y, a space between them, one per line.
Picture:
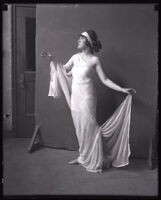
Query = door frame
x=14 y=63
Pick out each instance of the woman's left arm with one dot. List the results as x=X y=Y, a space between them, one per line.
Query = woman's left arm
x=106 y=81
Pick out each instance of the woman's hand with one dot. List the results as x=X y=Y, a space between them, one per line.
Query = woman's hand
x=129 y=90
x=47 y=54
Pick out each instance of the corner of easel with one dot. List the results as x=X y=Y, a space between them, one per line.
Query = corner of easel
x=33 y=142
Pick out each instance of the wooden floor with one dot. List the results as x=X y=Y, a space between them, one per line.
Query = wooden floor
x=46 y=172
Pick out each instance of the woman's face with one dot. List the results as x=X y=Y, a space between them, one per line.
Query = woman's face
x=82 y=42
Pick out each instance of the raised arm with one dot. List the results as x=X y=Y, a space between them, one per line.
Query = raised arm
x=106 y=81
x=68 y=66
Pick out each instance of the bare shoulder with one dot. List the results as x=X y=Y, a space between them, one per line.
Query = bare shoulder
x=96 y=60
x=74 y=56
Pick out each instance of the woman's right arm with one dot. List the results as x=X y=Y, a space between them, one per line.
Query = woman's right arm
x=68 y=66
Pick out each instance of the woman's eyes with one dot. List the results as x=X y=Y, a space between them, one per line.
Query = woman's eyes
x=81 y=38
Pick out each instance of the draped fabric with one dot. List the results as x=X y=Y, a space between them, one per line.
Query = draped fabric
x=99 y=146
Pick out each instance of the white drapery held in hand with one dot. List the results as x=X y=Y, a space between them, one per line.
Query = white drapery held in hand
x=54 y=88
x=99 y=146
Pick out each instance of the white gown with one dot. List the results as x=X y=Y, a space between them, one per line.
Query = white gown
x=99 y=146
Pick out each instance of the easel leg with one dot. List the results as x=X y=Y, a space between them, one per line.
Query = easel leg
x=32 y=143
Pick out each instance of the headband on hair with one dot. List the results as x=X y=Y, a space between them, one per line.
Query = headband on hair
x=85 y=34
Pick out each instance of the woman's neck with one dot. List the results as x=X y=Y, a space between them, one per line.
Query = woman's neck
x=86 y=52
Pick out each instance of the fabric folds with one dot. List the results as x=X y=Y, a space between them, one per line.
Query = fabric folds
x=99 y=146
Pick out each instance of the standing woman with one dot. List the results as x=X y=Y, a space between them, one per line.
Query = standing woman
x=99 y=146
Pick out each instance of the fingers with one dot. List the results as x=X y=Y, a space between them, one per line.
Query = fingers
x=127 y=91
x=46 y=54
x=43 y=54
x=130 y=90
x=133 y=90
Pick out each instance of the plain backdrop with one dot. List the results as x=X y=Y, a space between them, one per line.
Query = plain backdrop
x=129 y=37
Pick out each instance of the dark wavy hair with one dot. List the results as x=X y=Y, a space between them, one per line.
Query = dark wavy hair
x=95 y=42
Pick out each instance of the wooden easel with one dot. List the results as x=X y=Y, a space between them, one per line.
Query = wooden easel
x=35 y=144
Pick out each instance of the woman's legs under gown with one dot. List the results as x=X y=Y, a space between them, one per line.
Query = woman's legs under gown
x=99 y=146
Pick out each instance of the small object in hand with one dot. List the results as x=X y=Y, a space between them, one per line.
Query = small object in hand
x=45 y=54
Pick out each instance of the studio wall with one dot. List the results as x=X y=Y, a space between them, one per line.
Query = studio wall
x=129 y=37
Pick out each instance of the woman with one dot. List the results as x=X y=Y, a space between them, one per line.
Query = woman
x=99 y=146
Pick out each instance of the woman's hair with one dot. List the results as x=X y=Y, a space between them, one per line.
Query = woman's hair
x=96 y=44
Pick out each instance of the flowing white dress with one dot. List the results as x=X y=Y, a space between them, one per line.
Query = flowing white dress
x=99 y=146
